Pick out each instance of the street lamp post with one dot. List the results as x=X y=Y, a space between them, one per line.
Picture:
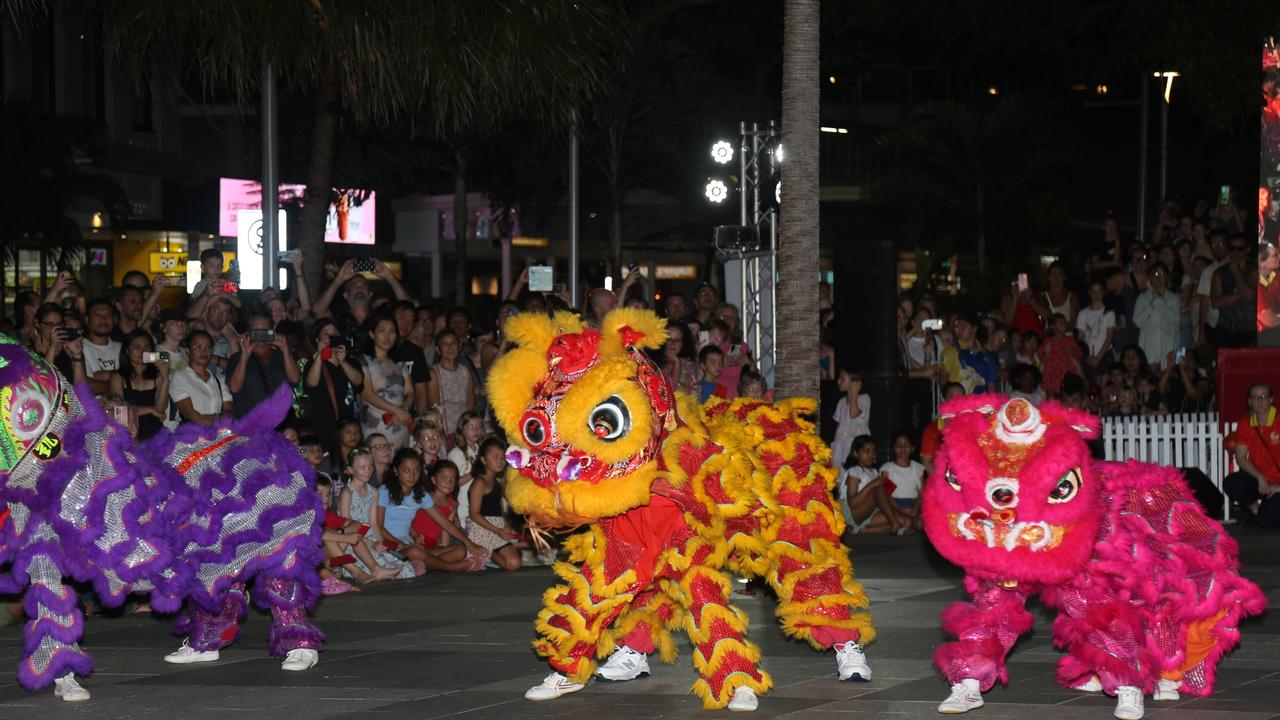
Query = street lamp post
x=1168 y=76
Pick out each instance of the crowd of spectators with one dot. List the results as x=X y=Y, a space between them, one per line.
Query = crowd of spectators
x=389 y=403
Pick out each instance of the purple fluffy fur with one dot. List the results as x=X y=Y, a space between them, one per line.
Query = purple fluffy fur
x=172 y=517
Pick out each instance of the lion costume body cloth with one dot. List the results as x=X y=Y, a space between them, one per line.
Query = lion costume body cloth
x=190 y=516
x=673 y=497
x=1147 y=587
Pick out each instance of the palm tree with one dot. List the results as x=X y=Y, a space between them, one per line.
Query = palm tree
x=796 y=372
x=444 y=66
x=971 y=167
x=45 y=182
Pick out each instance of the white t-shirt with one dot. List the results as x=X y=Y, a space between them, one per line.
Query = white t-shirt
x=864 y=477
x=1093 y=325
x=206 y=396
x=1205 y=288
x=99 y=358
x=906 y=480
x=848 y=428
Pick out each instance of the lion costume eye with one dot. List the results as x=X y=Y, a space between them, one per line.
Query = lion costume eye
x=952 y=480
x=610 y=420
x=534 y=429
x=1066 y=488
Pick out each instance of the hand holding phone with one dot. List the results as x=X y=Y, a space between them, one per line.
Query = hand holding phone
x=1022 y=283
x=364 y=265
x=541 y=278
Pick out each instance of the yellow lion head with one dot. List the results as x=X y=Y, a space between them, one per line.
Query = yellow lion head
x=586 y=411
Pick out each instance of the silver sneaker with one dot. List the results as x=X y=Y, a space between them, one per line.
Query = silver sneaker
x=552 y=687
x=300 y=659
x=1129 y=703
x=851 y=663
x=67 y=688
x=624 y=664
x=744 y=700
x=1167 y=690
x=186 y=655
x=964 y=697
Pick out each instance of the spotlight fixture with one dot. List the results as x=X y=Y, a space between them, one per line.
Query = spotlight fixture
x=717 y=192
x=777 y=153
x=993 y=90
x=722 y=152
x=777 y=193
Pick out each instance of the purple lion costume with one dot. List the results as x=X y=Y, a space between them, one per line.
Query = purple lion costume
x=1147 y=587
x=192 y=516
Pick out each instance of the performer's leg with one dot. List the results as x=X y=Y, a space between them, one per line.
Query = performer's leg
x=208 y=632
x=292 y=634
x=987 y=627
x=51 y=636
x=725 y=660
x=640 y=630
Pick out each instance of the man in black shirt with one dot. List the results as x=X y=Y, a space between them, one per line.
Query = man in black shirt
x=259 y=368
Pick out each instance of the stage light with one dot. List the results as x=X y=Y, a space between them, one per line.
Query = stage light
x=722 y=152
x=777 y=193
x=1102 y=89
x=717 y=192
x=777 y=153
x=831 y=79
x=993 y=90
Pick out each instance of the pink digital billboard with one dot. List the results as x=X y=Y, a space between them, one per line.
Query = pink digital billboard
x=347 y=222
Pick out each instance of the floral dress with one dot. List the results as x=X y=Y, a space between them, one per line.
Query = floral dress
x=362 y=512
x=387 y=379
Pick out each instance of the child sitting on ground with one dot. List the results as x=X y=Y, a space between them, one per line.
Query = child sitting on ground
x=863 y=497
x=313 y=452
x=356 y=504
x=442 y=485
x=344 y=542
x=428 y=440
x=904 y=476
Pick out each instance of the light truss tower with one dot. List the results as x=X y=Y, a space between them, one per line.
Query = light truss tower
x=750 y=251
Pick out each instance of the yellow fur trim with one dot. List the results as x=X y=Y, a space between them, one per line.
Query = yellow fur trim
x=731 y=683
x=652 y=329
x=573 y=417
x=512 y=379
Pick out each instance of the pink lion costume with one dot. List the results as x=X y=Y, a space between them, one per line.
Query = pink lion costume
x=1147 y=587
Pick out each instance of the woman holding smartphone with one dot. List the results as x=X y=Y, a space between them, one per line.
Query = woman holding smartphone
x=143 y=382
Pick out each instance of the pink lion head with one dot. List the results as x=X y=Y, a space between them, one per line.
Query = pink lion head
x=1014 y=495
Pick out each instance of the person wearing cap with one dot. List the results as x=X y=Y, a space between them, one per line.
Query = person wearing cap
x=172 y=330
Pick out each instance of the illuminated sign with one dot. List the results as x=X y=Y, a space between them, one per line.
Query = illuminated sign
x=168 y=263
x=676 y=272
x=347 y=221
x=530 y=242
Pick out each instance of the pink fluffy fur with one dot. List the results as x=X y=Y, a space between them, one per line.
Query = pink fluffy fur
x=1137 y=561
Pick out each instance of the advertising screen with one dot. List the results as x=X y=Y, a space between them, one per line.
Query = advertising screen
x=348 y=221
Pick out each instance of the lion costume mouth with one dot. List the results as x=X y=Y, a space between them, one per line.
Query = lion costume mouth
x=1033 y=536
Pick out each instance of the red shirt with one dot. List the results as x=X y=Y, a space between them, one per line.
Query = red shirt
x=1263 y=444
x=1268 y=298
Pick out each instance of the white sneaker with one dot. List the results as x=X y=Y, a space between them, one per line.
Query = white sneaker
x=851 y=663
x=1092 y=685
x=69 y=690
x=186 y=655
x=624 y=664
x=552 y=687
x=963 y=698
x=1167 y=690
x=1128 y=703
x=300 y=659
x=744 y=700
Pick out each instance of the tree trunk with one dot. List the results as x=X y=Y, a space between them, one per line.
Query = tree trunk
x=615 y=234
x=461 y=219
x=319 y=192
x=797 y=331
x=982 y=238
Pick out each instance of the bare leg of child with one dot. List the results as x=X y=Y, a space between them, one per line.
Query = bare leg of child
x=450 y=558
x=897 y=519
x=377 y=572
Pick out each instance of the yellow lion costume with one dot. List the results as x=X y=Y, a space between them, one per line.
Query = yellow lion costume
x=674 y=496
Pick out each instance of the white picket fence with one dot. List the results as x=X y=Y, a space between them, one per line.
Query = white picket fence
x=1183 y=440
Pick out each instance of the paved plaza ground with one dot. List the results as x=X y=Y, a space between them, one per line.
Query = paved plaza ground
x=458 y=647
